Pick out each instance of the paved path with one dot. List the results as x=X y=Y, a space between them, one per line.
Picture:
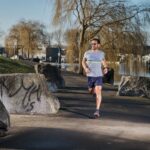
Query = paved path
x=124 y=123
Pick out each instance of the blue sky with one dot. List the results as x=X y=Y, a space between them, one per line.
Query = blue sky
x=12 y=11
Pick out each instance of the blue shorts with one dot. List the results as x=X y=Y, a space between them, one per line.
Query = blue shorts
x=95 y=81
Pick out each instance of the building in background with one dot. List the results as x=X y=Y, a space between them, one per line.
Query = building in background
x=2 y=50
x=53 y=54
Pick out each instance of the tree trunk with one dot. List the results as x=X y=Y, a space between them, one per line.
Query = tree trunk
x=28 y=53
x=81 y=50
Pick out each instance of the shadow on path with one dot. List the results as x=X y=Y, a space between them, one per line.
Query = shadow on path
x=54 y=139
x=75 y=98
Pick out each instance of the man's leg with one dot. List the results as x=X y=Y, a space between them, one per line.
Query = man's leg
x=91 y=85
x=92 y=90
x=98 y=91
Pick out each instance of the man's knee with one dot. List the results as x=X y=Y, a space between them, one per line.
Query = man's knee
x=91 y=90
x=98 y=88
x=98 y=96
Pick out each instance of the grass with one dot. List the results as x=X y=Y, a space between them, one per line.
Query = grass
x=14 y=66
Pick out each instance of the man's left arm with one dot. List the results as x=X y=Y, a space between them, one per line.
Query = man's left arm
x=105 y=66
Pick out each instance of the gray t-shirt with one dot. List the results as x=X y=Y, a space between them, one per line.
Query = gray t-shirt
x=94 y=59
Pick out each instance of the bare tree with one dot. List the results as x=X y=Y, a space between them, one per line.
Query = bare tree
x=28 y=35
x=72 y=39
x=57 y=36
x=48 y=39
x=93 y=16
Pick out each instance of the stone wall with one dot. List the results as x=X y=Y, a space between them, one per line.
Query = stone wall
x=27 y=94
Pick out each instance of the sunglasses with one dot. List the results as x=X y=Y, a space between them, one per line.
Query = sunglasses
x=93 y=43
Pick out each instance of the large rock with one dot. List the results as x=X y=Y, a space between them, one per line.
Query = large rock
x=52 y=75
x=4 y=119
x=134 y=86
x=27 y=93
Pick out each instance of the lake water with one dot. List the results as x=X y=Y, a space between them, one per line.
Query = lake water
x=135 y=66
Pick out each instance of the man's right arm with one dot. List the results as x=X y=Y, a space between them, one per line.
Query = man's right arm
x=85 y=66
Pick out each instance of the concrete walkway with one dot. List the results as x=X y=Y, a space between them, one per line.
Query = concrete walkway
x=124 y=123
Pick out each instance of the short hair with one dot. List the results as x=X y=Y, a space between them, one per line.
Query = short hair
x=96 y=39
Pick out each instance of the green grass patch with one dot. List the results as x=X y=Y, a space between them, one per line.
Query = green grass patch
x=14 y=66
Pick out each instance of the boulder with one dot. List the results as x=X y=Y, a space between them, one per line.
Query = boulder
x=27 y=94
x=4 y=119
x=134 y=86
x=52 y=75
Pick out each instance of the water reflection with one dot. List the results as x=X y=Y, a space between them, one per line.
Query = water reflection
x=135 y=65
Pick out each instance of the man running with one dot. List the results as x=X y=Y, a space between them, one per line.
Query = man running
x=92 y=63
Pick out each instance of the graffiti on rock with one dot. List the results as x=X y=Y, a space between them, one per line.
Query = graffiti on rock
x=27 y=100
